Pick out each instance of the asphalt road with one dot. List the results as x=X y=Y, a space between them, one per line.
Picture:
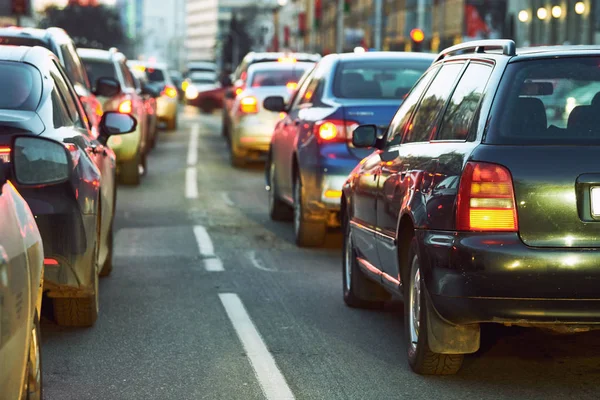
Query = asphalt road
x=209 y=299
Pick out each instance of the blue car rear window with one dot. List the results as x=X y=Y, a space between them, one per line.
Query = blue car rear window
x=377 y=79
x=20 y=86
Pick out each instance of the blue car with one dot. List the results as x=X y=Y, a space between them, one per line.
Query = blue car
x=311 y=152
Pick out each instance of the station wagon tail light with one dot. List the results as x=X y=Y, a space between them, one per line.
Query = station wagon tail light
x=486 y=199
x=126 y=107
x=5 y=154
x=249 y=105
x=74 y=150
x=169 y=91
x=334 y=130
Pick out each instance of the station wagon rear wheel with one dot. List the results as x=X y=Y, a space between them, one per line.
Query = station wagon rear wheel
x=308 y=233
x=420 y=358
x=32 y=389
x=278 y=210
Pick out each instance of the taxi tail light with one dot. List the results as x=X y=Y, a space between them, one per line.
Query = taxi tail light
x=333 y=130
x=486 y=199
x=249 y=105
x=169 y=91
x=74 y=150
x=125 y=107
x=291 y=85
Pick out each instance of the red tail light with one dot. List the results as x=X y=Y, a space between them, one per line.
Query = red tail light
x=169 y=91
x=74 y=150
x=334 y=130
x=126 y=107
x=249 y=105
x=5 y=154
x=291 y=85
x=50 y=261
x=486 y=199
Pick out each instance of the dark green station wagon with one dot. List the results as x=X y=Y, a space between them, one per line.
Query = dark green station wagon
x=481 y=203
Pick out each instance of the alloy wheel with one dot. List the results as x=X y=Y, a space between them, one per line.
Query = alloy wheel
x=348 y=259
x=297 y=206
x=415 y=303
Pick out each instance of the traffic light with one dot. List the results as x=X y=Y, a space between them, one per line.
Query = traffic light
x=20 y=7
x=417 y=36
x=347 y=6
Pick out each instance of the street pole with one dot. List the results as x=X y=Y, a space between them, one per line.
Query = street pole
x=378 y=31
x=421 y=15
x=310 y=17
x=339 y=43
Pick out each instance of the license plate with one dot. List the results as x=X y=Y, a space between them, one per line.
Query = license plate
x=595 y=200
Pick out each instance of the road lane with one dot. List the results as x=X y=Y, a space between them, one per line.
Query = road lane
x=163 y=332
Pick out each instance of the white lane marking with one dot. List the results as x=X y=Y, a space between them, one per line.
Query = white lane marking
x=257 y=263
x=192 y=156
x=205 y=245
x=213 y=265
x=227 y=199
x=268 y=374
x=191 y=183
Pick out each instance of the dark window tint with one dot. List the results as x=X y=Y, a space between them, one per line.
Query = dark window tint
x=276 y=77
x=73 y=65
x=20 y=86
x=464 y=102
x=377 y=79
x=100 y=69
x=66 y=94
x=427 y=115
x=127 y=76
x=60 y=115
x=550 y=101
x=155 y=75
x=400 y=121
x=23 y=41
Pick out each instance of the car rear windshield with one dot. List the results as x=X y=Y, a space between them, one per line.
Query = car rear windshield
x=377 y=79
x=155 y=75
x=548 y=101
x=23 y=41
x=20 y=86
x=277 y=76
x=100 y=69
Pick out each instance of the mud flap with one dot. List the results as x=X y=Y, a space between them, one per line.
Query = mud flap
x=446 y=338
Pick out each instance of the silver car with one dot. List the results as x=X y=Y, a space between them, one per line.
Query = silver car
x=251 y=124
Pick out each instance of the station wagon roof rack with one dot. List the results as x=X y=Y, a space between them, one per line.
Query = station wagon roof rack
x=507 y=46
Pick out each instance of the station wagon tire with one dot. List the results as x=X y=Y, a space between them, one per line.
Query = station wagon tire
x=32 y=387
x=420 y=358
x=278 y=209
x=130 y=172
x=308 y=233
x=359 y=291
x=78 y=311
x=108 y=266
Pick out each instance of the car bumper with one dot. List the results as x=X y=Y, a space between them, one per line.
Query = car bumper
x=126 y=147
x=474 y=278
x=166 y=108
x=253 y=133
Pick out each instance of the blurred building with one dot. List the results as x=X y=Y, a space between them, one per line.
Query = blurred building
x=132 y=18
x=163 y=32
x=16 y=12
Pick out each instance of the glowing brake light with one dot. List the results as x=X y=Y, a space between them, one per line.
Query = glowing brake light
x=249 y=105
x=5 y=154
x=169 y=91
x=291 y=85
x=50 y=261
x=126 y=107
x=239 y=91
x=74 y=150
x=286 y=60
x=486 y=199
x=184 y=85
x=334 y=130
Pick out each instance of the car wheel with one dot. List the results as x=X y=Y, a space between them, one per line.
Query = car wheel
x=359 y=291
x=308 y=233
x=420 y=358
x=32 y=386
x=108 y=265
x=78 y=311
x=129 y=173
x=278 y=210
x=237 y=159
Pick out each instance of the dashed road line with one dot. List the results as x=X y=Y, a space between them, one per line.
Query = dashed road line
x=269 y=376
x=191 y=183
x=192 y=156
x=206 y=248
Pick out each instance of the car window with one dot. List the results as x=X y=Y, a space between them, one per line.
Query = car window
x=400 y=121
x=377 y=78
x=72 y=66
x=100 y=69
x=276 y=76
x=24 y=84
x=301 y=93
x=65 y=93
x=60 y=115
x=425 y=119
x=464 y=102
x=127 y=77
x=155 y=75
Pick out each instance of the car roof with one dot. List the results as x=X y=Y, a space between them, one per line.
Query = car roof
x=148 y=64
x=25 y=54
x=384 y=55
x=97 y=54
x=255 y=56
x=45 y=35
x=279 y=65
x=527 y=53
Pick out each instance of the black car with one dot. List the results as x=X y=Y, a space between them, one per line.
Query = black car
x=74 y=217
x=481 y=203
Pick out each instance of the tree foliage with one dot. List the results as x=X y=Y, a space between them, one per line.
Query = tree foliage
x=97 y=27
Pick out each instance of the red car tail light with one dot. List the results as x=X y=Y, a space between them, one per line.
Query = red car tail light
x=126 y=107
x=333 y=130
x=169 y=91
x=5 y=154
x=486 y=199
x=249 y=105
x=50 y=261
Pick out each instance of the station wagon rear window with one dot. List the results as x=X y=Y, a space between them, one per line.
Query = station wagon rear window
x=377 y=79
x=20 y=86
x=100 y=69
x=548 y=101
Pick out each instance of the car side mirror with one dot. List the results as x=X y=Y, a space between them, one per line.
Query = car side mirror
x=39 y=161
x=107 y=87
x=114 y=123
x=275 y=103
x=364 y=136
